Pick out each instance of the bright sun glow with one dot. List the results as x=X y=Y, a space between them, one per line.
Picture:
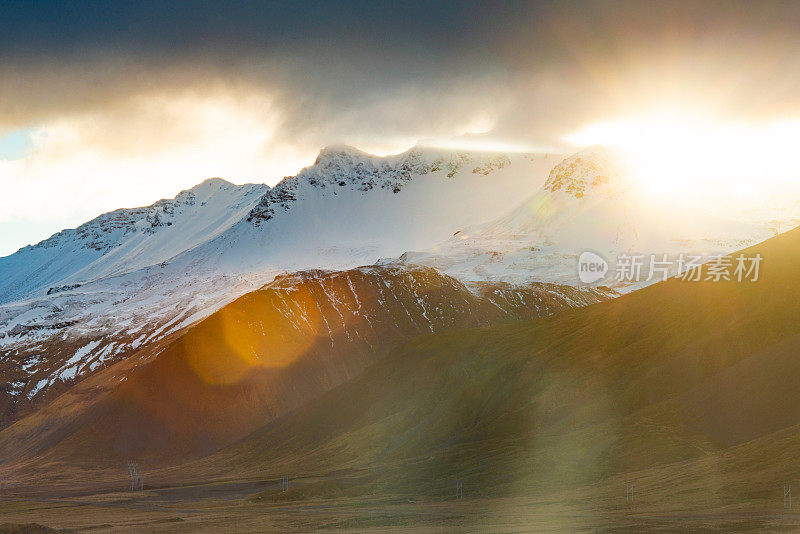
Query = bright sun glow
x=692 y=157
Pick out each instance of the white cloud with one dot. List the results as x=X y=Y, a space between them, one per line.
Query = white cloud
x=143 y=146
x=150 y=148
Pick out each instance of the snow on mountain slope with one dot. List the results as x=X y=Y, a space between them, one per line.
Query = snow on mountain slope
x=264 y=354
x=590 y=202
x=131 y=278
x=126 y=240
x=586 y=199
x=347 y=204
x=351 y=208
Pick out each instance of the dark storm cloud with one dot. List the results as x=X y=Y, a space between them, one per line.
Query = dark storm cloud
x=240 y=27
x=392 y=68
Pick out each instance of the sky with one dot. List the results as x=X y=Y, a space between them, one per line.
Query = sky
x=117 y=104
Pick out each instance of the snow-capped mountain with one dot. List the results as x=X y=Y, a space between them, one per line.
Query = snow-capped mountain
x=350 y=208
x=130 y=281
x=93 y=295
x=590 y=202
x=126 y=240
x=348 y=203
x=586 y=201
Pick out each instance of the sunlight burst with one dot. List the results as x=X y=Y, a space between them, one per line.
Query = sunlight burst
x=693 y=157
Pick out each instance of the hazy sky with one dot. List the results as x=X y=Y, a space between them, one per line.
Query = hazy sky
x=117 y=104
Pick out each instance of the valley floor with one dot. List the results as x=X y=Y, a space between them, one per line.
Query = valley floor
x=261 y=506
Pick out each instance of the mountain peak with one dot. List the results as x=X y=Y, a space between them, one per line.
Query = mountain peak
x=341 y=168
x=214 y=182
x=202 y=191
x=331 y=152
x=592 y=169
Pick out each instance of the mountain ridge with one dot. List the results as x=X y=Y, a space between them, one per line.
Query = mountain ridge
x=648 y=385
x=270 y=351
x=589 y=202
x=76 y=325
x=126 y=239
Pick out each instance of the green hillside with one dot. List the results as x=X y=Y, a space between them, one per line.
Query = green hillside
x=676 y=374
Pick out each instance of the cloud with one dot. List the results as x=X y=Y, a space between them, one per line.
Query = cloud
x=136 y=100
x=380 y=70
x=151 y=147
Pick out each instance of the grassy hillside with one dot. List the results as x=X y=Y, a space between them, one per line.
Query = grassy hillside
x=686 y=389
x=679 y=374
x=263 y=355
